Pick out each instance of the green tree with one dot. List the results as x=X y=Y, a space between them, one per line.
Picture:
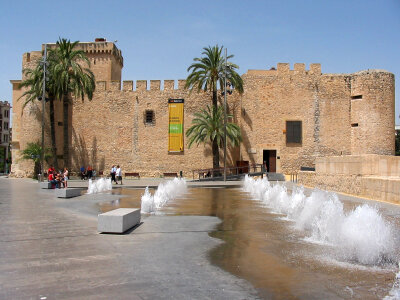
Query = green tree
x=71 y=78
x=34 y=84
x=208 y=127
x=33 y=151
x=207 y=73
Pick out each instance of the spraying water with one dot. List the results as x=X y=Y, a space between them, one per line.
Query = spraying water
x=361 y=235
x=165 y=192
x=394 y=293
x=99 y=185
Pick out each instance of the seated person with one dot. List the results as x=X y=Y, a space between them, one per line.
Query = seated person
x=59 y=180
x=89 y=172
x=52 y=180
x=83 y=173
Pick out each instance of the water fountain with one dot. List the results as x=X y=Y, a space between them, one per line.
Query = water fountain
x=361 y=235
x=165 y=192
x=99 y=185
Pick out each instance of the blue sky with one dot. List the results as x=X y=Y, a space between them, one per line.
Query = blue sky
x=159 y=39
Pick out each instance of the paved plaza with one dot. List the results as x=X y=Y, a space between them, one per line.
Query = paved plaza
x=50 y=249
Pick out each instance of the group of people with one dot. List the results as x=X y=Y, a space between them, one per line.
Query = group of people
x=116 y=174
x=87 y=173
x=58 y=178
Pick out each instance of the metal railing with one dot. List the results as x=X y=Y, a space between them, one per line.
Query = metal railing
x=210 y=173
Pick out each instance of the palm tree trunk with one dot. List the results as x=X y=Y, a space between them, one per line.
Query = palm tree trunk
x=53 y=134
x=65 y=131
x=36 y=169
x=215 y=152
x=214 y=99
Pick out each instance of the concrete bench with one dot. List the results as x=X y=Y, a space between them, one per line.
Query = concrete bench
x=68 y=193
x=45 y=185
x=118 y=220
x=170 y=174
x=275 y=176
x=132 y=174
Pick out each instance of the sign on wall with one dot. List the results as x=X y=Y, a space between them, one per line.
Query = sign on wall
x=175 y=131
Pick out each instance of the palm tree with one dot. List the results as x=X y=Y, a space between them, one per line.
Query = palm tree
x=208 y=127
x=33 y=151
x=209 y=71
x=70 y=78
x=34 y=83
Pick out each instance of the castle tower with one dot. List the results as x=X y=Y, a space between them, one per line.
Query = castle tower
x=106 y=61
x=372 y=113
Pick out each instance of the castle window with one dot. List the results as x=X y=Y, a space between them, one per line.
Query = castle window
x=356 y=97
x=354 y=125
x=6 y=114
x=5 y=125
x=5 y=138
x=293 y=133
x=149 y=118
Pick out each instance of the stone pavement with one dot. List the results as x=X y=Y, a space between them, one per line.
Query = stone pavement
x=50 y=249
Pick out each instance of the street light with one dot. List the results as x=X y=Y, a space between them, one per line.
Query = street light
x=225 y=116
x=44 y=62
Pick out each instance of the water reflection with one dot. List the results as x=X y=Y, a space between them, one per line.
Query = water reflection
x=264 y=249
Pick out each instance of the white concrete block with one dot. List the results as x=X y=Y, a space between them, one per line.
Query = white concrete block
x=118 y=220
x=68 y=193
x=45 y=185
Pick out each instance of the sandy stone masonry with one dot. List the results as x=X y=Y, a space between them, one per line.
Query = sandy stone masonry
x=340 y=114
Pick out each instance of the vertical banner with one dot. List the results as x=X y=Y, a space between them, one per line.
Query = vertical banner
x=175 y=131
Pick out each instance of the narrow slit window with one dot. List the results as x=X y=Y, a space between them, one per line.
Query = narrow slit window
x=149 y=117
x=356 y=97
x=354 y=124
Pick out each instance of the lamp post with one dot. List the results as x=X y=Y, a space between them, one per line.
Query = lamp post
x=44 y=62
x=225 y=116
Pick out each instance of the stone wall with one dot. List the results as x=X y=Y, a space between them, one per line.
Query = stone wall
x=320 y=102
x=111 y=129
x=372 y=176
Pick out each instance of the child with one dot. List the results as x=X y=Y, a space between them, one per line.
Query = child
x=65 y=174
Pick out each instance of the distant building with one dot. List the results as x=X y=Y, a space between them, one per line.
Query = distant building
x=5 y=135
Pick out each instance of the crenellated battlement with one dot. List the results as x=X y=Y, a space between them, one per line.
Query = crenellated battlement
x=283 y=69
x=141 y=85
x=31 y=57
x=99 y=48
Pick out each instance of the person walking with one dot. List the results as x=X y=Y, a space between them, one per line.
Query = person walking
x=119 y=174
x=112 y=173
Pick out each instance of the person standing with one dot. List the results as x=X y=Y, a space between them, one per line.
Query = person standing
x=65 y=174
x=119 y=174
x=112 y=173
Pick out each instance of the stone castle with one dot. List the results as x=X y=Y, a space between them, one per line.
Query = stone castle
x=288 y=118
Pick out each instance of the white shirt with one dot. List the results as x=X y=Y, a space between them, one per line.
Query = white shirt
x=118 y=172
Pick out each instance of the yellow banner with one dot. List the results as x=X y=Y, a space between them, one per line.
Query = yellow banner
x=175 y=130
